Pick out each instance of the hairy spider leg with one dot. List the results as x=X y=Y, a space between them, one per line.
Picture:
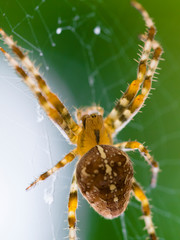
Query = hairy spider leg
x=45 y=90
x=48 y=108
x=120 y=114
x=72 y=206
x=137 y=103
x=134 y=145
x=140 y=196
x=67 y=159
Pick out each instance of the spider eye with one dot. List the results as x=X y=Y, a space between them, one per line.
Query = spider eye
x=104 y=176
x=93 y=115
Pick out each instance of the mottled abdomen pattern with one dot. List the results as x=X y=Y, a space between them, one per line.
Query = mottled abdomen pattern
x=104 y=176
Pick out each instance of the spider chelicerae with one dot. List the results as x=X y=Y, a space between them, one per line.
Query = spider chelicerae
x=104 y=172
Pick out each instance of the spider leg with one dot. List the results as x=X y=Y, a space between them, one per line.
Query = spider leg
x=134 y=145
x=137 y=103
x=72 y=206
x=140 y=196
x=67 y=159
x=45 y=90
x=129 y=104
x=48 y=108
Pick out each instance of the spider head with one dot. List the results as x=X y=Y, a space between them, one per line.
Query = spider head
x=92 y=121
x=93 y=133
x=84 y=111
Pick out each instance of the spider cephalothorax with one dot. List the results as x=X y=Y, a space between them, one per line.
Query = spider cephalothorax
x=93 y=133
x=104 y=172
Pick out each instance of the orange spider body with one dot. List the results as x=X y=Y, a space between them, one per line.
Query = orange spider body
x=104 y=173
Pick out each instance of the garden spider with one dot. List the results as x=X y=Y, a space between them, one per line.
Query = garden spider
x=104 y=172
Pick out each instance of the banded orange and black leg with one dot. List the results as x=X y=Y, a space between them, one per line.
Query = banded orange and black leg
x=67 y=159
x=141 y=197
x=134 y=145
x=72 y=206
x=41 y=83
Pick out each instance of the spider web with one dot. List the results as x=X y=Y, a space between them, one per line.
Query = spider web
x=86 y=50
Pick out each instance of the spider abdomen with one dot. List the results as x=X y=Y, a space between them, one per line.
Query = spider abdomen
x=104 y=176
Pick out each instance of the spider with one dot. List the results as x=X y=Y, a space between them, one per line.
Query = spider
x=104 y=172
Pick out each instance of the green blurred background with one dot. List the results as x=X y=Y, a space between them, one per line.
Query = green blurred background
x=86 y=51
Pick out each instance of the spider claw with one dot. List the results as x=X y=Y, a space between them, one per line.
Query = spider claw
x=31 y=185
x=2 y=50
x=153 y=184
